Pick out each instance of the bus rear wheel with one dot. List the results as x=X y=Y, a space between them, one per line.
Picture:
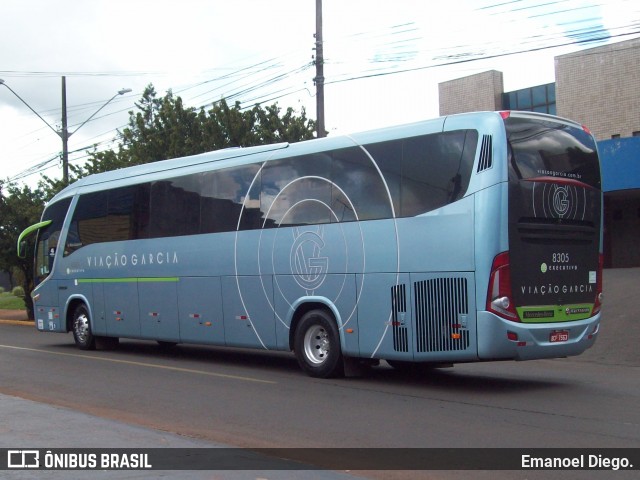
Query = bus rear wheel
x=81 y=327
x=317 y=345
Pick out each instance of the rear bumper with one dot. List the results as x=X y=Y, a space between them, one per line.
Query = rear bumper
x=497 y=338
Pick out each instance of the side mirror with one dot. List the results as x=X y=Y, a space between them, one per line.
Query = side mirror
x=22 y=249
x=22 y=243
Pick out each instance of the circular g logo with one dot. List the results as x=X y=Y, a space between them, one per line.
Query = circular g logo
x=561 y=201
x=550 y=200
x=308 y=267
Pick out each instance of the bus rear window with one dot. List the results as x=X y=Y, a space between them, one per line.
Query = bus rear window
x=540 y=148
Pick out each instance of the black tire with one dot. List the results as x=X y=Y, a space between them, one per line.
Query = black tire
x=81 y=328
x=317 y=345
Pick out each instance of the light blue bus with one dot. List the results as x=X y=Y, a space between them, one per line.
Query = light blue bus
x=466 y=238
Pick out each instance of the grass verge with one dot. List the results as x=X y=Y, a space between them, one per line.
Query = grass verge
x=11 y=302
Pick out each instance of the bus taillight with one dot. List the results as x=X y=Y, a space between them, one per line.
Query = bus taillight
x=499 y=298
x=598 y=301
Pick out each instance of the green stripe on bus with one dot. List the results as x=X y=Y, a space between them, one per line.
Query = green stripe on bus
x=129 y=280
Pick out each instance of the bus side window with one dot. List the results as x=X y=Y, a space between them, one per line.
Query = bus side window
x=89 y=222
x=73 y=242
x=226 y=202
x=374 y=196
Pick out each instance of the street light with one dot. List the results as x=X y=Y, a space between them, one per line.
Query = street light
x=64 y=132
x=29 y=106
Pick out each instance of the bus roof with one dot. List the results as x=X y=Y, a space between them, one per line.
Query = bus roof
x=240 y=155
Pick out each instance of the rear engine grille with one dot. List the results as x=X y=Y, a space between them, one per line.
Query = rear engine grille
x=439 y=305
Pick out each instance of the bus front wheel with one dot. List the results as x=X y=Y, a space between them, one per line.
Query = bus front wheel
x=81 y=327
x=317 y=345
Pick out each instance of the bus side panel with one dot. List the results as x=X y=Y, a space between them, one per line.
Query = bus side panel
x=47 y=311
x=441 y=240
x=159 y=310
x=249 y=320
x=491 y=235
x=200 y=310
x=384 y=316
x=121 y=309
x=97 y=309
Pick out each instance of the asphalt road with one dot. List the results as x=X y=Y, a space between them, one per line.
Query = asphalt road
x=257 y=399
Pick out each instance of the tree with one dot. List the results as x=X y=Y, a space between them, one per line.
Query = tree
x=160 y=129
x=164 y=128
x=20 y=207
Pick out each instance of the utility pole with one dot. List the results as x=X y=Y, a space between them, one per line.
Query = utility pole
x=64 y=132
x=65 y=135
x=319 y=80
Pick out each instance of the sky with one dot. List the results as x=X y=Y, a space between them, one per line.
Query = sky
x=383 y=59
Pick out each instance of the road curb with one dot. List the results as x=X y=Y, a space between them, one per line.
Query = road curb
x=26 y=323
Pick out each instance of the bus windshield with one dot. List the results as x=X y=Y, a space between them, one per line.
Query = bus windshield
x=47 y=242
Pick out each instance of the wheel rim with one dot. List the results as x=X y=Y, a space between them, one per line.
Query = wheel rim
x=317 y=345
x=81 y=328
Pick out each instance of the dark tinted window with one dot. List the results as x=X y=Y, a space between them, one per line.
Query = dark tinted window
x=89 y=222
x=175 y=207
x=524 y=98
x=141 y=210
x=120 y=209
x=358 y=184
x=435 y=171
x=409 y=177
x=540 y=148
x=109 y=216
x=539 y=94
x=426 y=172
x=297 y=191
x=223 y=194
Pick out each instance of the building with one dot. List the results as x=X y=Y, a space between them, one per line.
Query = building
x=597 y=87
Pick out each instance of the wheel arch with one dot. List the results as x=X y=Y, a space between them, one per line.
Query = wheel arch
x=72 y=303
x=306 y=304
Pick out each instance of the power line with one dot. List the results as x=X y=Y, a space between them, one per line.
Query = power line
x=486 y=57
x=393 y=48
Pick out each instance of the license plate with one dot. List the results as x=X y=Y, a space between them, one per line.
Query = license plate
x=559 y=336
